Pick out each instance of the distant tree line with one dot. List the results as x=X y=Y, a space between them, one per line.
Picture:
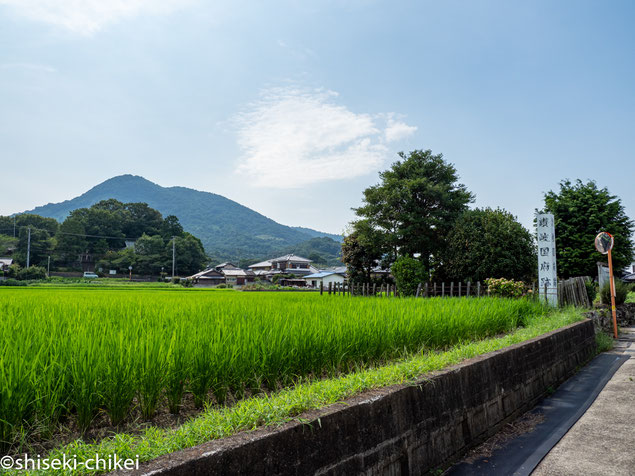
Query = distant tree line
x=417 y=222
x=100 y=233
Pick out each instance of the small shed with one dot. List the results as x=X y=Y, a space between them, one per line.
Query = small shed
x=5 y=263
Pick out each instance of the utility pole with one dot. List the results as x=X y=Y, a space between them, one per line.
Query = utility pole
x=173 y=255
x=28 y=249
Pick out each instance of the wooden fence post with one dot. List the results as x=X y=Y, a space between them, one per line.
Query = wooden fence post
x=469 y=284
x=443 y=289
x=478 y=289
x=426 y=290
x=321 y=287
x=459 y=288
x=418 y=290
x=451 y=288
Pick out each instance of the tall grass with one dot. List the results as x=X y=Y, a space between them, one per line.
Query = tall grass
x=68 y=352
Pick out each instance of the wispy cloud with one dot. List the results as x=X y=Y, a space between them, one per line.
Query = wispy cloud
x=294 y=137
x=87 y=17
x=397 y=130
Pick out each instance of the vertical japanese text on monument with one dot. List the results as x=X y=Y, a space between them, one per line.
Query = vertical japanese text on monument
x=547 y=277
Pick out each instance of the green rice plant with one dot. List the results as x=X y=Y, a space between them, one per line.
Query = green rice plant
x=119 y=384
x=177 y=368
x=201 y=371
x=86 y=375
x=306 y=395
x=68 y=352
x=17 y=398
x=150 y=372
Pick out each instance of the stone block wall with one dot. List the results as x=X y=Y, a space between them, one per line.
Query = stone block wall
x=400 y=430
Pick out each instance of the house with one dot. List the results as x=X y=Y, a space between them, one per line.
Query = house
x=5 y=263
x=325 y=278
x=220 y=267
x=292 y=264
x=237 y=276
x=208 y=277
x=261 y=267
x=287 y=264
x=296 y=282
x=380 y=273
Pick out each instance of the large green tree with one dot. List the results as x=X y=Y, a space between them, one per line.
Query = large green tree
x=486 y=243
x=415 y=206
x=362 y=250
x=582 y=210
x=39 y=246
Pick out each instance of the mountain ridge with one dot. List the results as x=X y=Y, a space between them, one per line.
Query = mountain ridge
x=226 y=228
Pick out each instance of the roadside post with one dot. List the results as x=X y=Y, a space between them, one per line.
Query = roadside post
x=547 y=271
x=130 y=269
x=604 y=244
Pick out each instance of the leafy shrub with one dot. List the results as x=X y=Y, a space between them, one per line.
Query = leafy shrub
x=603 y=342
x=12 y=282
x=621 y=291
x=221 y=286
x=408 y=273
x=505 y=287
x=591 y=290
x=34 y=272
x=187 y=283
x=13 y=271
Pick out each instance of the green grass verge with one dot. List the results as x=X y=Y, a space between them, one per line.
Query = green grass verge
x=603 y=341
x=277 y=408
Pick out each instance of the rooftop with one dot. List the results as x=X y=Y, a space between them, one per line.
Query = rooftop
x=262 y=264
x=292 y=257
x=323 y=274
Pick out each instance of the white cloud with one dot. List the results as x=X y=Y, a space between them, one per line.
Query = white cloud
x=294 y=137
x=398 y=130
x=87 y=17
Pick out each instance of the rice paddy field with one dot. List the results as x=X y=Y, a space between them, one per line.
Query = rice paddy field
x=69 y=353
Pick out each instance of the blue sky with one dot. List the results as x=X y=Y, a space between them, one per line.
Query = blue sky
x=292 y=107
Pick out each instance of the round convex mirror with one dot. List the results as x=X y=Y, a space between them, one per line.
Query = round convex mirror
x=604 y=242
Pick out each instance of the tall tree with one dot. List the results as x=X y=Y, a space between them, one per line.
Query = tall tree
x=415 y=205
x=486 y=243
x=190 y=254
x=582 y=210
x=362 y=250
x=38 y=248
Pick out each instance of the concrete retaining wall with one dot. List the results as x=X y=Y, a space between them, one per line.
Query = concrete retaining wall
x=404 y=429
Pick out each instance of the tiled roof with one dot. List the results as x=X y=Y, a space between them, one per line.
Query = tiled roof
x=292 y=257
x=262 y=264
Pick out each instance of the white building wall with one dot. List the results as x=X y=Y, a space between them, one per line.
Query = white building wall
x=333 y=278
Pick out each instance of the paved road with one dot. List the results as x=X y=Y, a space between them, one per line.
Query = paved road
x=602 y=442
x=586 y=428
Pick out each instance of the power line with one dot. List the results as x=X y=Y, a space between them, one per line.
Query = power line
x=126 y=238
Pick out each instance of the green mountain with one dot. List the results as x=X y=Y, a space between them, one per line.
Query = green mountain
x=318 y=234
x=227 y=229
